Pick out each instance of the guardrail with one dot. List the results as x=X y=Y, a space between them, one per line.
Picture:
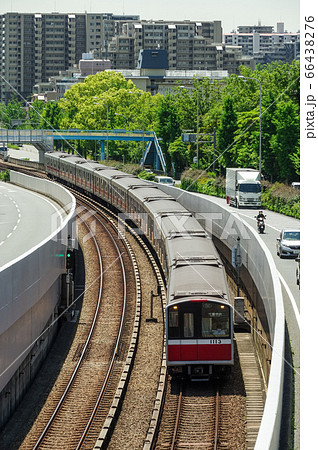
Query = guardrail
x=20 y=136
x=9 y=135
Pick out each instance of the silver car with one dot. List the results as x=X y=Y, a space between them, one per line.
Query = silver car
x=288 y=243
x=168 y=181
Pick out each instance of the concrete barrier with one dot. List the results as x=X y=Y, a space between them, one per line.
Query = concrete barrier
x=48 y=188
x=22 y=162
x=259 y=265
x=29 y=296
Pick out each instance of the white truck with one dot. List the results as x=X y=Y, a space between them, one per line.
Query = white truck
x=243 y=187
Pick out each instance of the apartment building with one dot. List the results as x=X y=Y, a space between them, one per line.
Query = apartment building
x=186 y=43
x=262 y=39
x=36 y=46
x=17 y=48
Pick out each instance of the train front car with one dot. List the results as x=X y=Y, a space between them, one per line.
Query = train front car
x=199 y=316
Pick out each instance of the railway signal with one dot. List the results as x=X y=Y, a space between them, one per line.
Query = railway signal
x=70 y=259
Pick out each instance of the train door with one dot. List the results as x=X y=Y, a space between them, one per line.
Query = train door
x=189 y=327
x=183 y=331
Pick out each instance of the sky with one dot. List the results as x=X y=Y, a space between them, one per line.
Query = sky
x=232 y=13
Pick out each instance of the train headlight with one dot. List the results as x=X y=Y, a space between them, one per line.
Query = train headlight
x=175 y=307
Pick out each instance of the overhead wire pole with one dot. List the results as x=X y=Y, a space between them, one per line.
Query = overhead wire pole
x=197 y=128
x=260 y=117
x=107 y=153
x=143 y=124
x=184 y=87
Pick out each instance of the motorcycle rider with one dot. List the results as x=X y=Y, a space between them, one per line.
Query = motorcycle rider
x=260 y=216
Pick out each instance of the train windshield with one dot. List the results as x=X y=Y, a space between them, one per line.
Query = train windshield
x=198 y=320
x=215 y=320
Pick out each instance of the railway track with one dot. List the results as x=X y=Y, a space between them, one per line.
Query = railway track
x=192 y=421
x=88 y=382
x=207 y=415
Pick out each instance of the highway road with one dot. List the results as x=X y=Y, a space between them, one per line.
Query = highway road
x=26 y=219
x=286 y=267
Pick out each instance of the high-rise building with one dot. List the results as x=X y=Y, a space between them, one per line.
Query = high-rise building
x=37 y=46
x=262 y=39
x=17 y=51
x=186 y=43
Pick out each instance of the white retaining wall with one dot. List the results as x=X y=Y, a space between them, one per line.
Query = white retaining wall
x=30 y=284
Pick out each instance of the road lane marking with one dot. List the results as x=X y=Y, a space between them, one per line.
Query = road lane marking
x=292 y=299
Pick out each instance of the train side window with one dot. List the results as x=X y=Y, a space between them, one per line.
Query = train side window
x=173 y=323
x=188 y=325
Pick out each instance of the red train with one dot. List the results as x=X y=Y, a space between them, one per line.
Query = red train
x=199 y=315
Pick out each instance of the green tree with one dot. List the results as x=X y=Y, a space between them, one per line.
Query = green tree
x=168 y=120
x=108 y=95
x=35 y=114
x=269 y=162
x=179 y=155
x=168 y=127
x=10 y=112
x=52 y=116
x=245 y=150
x=285 y=143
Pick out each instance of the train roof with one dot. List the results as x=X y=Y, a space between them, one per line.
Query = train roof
x=181 y=246
x=157 y=201
x=65 y=156
x=198 y=278
x=77 y=159
x=54 y=154
x=112 y=174
x=131 y=182
x=179 y=222
x=167 y=205
x=85 y=164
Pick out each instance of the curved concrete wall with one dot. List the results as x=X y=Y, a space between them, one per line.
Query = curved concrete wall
x=257 y=260
x=30 y=284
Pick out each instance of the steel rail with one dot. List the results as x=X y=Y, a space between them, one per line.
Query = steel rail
x=217 y=415
x=115 y=352
x=176 y=425
x=49 y=423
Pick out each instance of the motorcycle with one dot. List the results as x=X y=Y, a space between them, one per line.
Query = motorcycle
x=260 y=224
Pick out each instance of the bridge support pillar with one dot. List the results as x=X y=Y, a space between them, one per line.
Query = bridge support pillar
x=41 y=156
x=102 y=150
